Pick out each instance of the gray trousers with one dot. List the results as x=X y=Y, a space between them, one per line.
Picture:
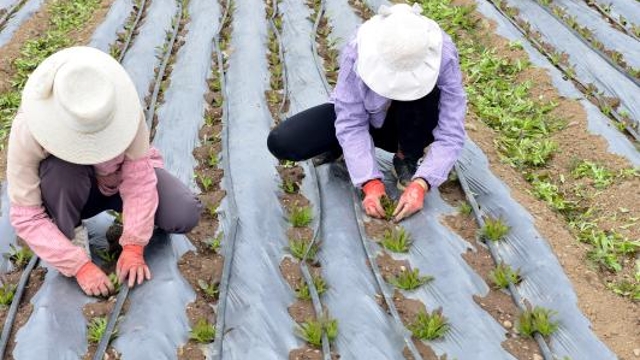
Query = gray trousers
x=70 y=193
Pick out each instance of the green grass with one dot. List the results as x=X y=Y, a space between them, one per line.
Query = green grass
x=429 y=326
x=209 y=289
x=19 y=256
x=203 y=332
x=396 y=240
x=389 y=206
x=97 y=328
x=537 y=320
x=503 y=275
x=7 y=291
x=494 y=229
x=298 y=247
x=410 y=280
x=311 y=331
x=300 y=216
x=303 y=292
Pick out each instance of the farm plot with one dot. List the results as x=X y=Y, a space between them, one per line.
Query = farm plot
x=284 y=263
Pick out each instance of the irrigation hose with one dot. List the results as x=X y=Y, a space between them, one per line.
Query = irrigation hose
x=544 y=348
x=111 y=324
x=285 y=82
x=314 y=49
x=613 y=20
x=134 y=25
x=15 y=303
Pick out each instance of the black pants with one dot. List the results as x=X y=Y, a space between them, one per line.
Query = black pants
x=408 y=128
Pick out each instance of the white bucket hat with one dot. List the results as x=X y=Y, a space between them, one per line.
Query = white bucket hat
x=81 y=106
x=399 y=52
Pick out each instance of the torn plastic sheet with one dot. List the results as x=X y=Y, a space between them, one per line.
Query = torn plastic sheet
x=545 y=283
x=343 y=22
x=598 y=123
x=627 y=9
x=107 y=32
x=26 y=12
x=589 y=66
x=258 y=325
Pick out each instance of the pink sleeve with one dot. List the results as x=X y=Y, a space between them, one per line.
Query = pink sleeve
x=34 y=226
x=139 y=200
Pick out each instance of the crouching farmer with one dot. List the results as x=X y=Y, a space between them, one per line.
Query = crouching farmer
x=79 y=145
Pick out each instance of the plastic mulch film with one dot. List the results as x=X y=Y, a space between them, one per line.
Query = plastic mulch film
x=258 y=325
x=13 y=24
x=342 y=20
x=107 y=32
x=143 y=56
x=545 y=283
x=6 y=4
x=589 y=66
x=597 y=123
x=628 y=9
x=7 y=233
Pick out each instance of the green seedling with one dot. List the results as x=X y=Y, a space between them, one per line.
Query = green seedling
x=299 y=247
x=212 y=209
x=410 y=280
x=289 y=186
x=465 y=209
x=116 y=282
x=429 y=326
x=303 y=293
x=389 y=206
x=601 y=176
x=503 y=275
x=7 y=291
x=396 y=240
x=626 y=288
x=214 y=244
x=107 y=256
x=300 y=216
x=311 y=331
x=210 y=289
x=537 y=320
x=213 y=160
x=19 y=256
x=494 y=229
x=203 y=332
x=288 y=164
x=205 y=181
x=97 y=328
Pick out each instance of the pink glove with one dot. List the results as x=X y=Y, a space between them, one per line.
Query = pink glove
x=411 y=200
x=373 y=191
x=93 y=281
x=131 y=264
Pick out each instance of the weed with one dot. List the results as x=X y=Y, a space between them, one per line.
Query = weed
x=465 y=209
x=311 y=331
x=300 y=216
x=410 y=280
x=97 y=328
x=601 y=176
x=494 y=229
x=299 y=247
x=396 y=240
x=6 y=294
x=626 y=288
x=210 y=289
x=19 y=256
x=503 y=275
x=203 y=332
x=429 y=326
x=389 y=206
x=537 y=320
x=302 y=291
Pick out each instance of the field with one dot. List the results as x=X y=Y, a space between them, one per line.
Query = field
x=530 y=250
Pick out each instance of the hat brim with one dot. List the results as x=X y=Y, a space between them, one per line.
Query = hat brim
x=50 y=129
x=407 y=85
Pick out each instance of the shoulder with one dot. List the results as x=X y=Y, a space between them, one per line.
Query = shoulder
x=21 y=142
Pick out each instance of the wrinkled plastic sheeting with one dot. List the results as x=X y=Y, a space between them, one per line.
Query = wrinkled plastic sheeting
x=144 y=54
x=107 y=32
x=628 y=9
x=598 y=123
x=613 y=39
x=6 y=4
x=545 y=283
x=7 y=233
x=258 y=325
x=343 y=21
x=589 y=66
x=25 y=13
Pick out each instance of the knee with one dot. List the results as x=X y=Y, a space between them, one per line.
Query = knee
x=280 y=146
x=184 y=216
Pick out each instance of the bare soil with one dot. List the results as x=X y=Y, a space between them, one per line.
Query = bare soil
x=389 y=267
x=375 y=228
x=305 y=353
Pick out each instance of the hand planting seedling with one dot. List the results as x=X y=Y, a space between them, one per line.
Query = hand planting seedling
x=503 y=275
x=389 y=207
x=19 y=257
x=203 y=332
x=311 y=331
x=300 y=216
x=537 y=320
x=494 y=229
x=396 y=240
x=429 y=326
x=303 y=292
x=410 y=280
x=298 y=248
x=97 y=328
x=210 y=289
x=6 y=294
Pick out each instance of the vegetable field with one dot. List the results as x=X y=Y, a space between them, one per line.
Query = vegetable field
x=530 y=250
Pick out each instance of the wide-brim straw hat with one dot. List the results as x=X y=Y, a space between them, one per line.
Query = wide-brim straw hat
x=399 y=52
x=81 y=106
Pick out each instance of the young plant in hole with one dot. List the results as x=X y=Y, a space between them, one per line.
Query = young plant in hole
x=298 y=247
x=205 y=181
x=203 y=332
x=215 y=243
x=116 y=283
x=494 y=229
x=289 y=186
x=210 y=289
x=97 y=328
x=107 y=256
x=429 y=326
x=303 y=293
x=503 y=275
x=311 y=331
x=19 y=257
x=213 y=160
x=410 y=280
x=396 y=240
x=300 y=216
x=465 y=209
x=389 y=207
x=537 y=320
x=6 y=294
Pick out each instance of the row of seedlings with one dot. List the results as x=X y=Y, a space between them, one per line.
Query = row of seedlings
x=326 y=49
x=203 y=268
x=23 y=281
x=102 y=316
x=621 y=23
x=587 y=188
x=123 y=41
x=300 y=269
x=394 y=241
x=615 y=57
x=607 y=105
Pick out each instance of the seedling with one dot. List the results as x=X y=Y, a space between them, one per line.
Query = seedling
x=494 y=229
x=389 y=206
x=97 y=328
x=626 y=288
x=20 y=257
x=116 y=282
x=311 y=331
x=503 y=275
x=289 y=186
x=299 y=247
x=205 y=181
x=210 y=289
x=601 y=176
x=212 y=209
x=410 y=280
x=302 y=291
x=465 y=209
x=429 y=326
x=396 y=240
x=107 y=256
x=537 y=320
x=215 y=243
x=203 y=332
x=6 y=294
x=213 y=160
x=300 y=216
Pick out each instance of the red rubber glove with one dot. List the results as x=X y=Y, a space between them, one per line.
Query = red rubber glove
x=93 y=281
x=411 y=201
x=131 y=264
x=373 y=191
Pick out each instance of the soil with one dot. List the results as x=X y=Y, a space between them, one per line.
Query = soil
x=100 y=309
x=301 y=311
x=425 y=352
x=205 y=267
x=305 y=353
x=389 y=267
x=408 y=310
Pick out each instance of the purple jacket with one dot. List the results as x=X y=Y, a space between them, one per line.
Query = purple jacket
x=357 y=107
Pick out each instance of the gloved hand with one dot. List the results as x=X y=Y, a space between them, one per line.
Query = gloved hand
x=411 y=201
x=93 y=281
x=131 y=264
x=373 y=191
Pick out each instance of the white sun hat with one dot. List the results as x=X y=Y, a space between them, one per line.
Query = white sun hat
x=399 y=52
x=81 y=106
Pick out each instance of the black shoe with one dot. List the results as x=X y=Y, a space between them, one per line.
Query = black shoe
x=404 y=169
x=327 y=157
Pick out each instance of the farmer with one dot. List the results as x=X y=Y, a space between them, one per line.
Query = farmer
x=399 y=89
x=79 y=145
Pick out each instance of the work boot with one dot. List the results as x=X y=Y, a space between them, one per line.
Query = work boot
x=327 y=157
x=404 y=169
x=81 y=238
